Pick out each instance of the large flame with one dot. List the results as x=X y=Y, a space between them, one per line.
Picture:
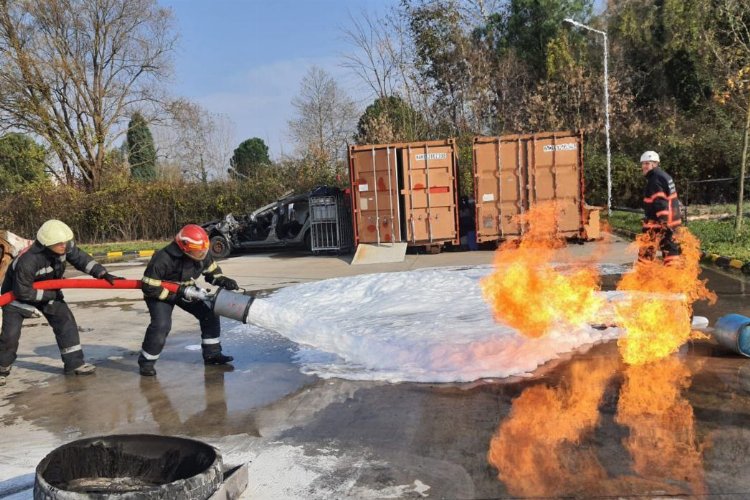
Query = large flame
x=527 y=292
x=657 y=323
x=662 y=439
x=537 y=450
x=545 y=448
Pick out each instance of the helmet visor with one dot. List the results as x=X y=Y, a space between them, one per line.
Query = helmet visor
x=196 y=251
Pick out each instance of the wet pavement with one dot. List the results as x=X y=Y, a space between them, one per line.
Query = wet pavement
x=584 y=426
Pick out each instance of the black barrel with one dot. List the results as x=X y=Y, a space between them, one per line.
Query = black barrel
x=129 y=466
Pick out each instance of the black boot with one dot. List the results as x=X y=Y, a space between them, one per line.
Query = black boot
x=147 y=369
x=217 y=359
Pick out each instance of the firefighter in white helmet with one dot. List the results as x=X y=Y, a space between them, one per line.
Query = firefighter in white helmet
x=662 y=211
x=44 y=260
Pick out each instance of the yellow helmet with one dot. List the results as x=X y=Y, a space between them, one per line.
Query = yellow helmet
x=53 y=232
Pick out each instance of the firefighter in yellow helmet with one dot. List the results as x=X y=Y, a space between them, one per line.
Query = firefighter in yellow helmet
x=44 y=260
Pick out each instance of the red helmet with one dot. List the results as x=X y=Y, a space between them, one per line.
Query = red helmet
x=193 y=241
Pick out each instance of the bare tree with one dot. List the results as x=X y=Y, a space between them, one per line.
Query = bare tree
x=194 y=141
x=376 y=54
x=326 y=116
x=731 y=46
x=71 y=71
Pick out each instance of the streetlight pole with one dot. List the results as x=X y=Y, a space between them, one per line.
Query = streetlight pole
x=606 y=106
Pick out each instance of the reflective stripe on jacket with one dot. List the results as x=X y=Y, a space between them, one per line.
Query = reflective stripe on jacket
x=171 y=264
x=39 y=263
x=660 y=202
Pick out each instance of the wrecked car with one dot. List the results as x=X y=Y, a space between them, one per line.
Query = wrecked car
x=285 y=223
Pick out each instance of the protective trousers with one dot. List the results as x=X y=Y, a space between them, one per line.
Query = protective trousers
x=663 y=237
x=161 y=324
x=63 y=324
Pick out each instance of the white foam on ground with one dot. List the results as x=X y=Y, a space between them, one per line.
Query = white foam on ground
x=429 y=325
x=281 y=471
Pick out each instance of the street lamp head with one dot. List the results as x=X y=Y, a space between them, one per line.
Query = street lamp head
x=583 y=26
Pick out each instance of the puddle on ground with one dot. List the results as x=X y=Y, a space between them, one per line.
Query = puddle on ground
x=585 y=425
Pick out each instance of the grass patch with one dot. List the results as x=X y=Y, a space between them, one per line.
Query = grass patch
x=123 y=246
x=719 y=237
x=625 y=220
x=716 y=236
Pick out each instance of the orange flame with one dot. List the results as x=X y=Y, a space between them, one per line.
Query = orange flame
x=524 y=277
x=537 y=449
x=658 y=323
x=662 y=438
x=544 y=448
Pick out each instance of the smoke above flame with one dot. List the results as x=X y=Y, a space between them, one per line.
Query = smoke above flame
x=527 y=292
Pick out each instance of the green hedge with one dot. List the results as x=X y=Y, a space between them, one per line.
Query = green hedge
x=147 y=211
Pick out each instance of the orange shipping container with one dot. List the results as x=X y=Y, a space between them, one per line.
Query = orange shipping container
x=514 y=172
x=404 y=193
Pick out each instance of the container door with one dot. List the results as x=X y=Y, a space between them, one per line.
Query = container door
x=429 y=193
x=375 y=192
x=500 y=190
x=555 y=173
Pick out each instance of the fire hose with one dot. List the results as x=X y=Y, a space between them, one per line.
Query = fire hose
x=222 y=302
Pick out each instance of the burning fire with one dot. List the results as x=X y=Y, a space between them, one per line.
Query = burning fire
x=657 y=323
x=538 y=450
x=544 y=448
x=655 y=315
x=662 y=440
x=525 y=278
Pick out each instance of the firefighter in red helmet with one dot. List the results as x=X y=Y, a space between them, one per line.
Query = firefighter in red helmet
x=182 y=261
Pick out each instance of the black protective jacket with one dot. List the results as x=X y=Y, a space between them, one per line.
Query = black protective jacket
x=660 y=203
x=38 y=263
x=171 y=264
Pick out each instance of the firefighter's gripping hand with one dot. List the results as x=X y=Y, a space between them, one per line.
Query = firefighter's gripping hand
x=110 y=278
x=191 y=293
x=226 y=283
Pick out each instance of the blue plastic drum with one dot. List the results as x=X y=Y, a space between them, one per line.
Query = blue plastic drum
x=733 y=332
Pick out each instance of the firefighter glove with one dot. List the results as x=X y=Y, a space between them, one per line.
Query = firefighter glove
x=226 y=283
x=110 y=278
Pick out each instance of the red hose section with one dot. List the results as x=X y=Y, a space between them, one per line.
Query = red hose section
x=86 y=283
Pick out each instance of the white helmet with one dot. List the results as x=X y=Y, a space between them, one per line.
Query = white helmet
x=650 y=156
x=53 y=232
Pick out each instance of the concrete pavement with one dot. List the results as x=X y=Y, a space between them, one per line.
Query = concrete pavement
x=310 y=438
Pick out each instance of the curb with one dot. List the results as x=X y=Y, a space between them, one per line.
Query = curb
x=726 y=262
x=122 y=255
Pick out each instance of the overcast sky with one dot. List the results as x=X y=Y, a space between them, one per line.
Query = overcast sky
x=246 y=58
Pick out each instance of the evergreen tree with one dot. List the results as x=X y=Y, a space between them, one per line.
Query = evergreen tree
x=249 y=154
x=141 y=149
x=390 y=119
x=21 y=161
